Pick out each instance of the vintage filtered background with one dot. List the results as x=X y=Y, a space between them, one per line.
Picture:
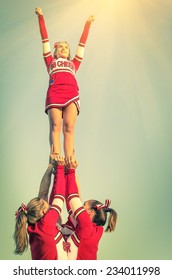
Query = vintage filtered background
x=124 y=131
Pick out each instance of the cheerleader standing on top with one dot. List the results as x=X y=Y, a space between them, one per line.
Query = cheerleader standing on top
x=62 y=100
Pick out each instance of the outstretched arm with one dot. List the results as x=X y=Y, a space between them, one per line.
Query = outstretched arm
x=58 y=180
x=46 y=181
x=57 y=197
x=44 y=35
x=72 y=190
x=71 y=223
x=82 y=42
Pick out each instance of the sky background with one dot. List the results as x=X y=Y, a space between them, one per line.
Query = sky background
x=123 y=134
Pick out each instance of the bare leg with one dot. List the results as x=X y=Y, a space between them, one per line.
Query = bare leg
x=55 y=120
x=69 y=119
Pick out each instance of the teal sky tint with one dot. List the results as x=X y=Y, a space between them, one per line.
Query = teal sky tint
x=123 y=134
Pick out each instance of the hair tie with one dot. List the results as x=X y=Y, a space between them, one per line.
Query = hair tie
x=103 y=206
x=22 y=208
x=55 y=45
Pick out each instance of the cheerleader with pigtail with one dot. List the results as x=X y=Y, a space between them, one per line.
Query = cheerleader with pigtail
x=36 y=222
x=90 y=217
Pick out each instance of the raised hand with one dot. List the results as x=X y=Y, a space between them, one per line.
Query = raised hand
x=71 y=163
x=91 y=18
x=38 y=11
x=60 y=160
x=55 y=159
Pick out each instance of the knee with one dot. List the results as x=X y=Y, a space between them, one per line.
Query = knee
x=55 y=127
x=68 y=128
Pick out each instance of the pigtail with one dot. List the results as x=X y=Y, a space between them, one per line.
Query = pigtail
x=20 y=234
x=111 y=220
x=26 y=214
x=101 y=211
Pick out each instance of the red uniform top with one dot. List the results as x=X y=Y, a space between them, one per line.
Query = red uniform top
x=63 y=87
x=44 y=235
x=85 y=239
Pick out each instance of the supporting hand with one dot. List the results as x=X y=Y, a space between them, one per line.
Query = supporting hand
x=59 y=160
x=55 y=159
x=71 y=163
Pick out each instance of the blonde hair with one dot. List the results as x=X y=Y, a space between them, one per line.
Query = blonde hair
x=56 y=46
x=34 y=212
x=100 y=216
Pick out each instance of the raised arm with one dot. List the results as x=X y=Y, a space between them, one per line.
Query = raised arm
x=44 y=36
x=72 y=189
x=82 y=42
x=46 y=179
x=57 y=197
